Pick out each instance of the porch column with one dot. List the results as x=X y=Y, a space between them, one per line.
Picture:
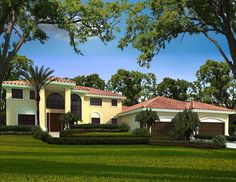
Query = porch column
x=42 y=110
x=67 y=100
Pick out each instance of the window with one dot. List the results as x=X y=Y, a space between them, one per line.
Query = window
x=55 y=101
x=76 y=106
x=17 y=93
x=24 y=119
x=95 y=121
x=95 y=102
x=114 y=121
x=114 y=102
x=32 y=94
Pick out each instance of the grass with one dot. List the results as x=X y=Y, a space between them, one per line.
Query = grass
x=23 y=158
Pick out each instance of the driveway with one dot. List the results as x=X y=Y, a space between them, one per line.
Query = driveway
x=54 y=134
x=231 y=145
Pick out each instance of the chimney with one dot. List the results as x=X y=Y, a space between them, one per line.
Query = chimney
x=192 y=106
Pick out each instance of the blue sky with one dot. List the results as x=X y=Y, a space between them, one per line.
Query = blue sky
x=180 y=59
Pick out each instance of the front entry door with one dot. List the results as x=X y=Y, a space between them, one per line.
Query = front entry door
x=53 y=122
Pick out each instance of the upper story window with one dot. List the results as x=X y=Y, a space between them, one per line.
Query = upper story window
x=55 y=101
x=76 y=106
x=32 y=94
x=17 y=93
x=114 y=102
x=95 y=102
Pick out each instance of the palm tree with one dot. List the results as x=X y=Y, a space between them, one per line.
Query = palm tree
x=38 y=78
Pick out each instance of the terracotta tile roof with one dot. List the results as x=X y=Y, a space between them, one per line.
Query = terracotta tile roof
x=94 y=91
x=26 y=83
x=62 y=80
x=172 y=104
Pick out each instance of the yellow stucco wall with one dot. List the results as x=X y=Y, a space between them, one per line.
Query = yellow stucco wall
x=14 y=105
x=106 y=111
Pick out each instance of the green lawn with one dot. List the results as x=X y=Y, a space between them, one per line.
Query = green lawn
x=23 y=158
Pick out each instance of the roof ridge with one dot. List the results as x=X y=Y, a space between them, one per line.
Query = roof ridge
x=150 y=100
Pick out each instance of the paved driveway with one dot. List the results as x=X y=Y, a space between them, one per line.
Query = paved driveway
x=54 y=134
x=231 y=145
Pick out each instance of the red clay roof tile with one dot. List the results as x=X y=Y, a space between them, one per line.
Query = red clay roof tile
x=172 y=104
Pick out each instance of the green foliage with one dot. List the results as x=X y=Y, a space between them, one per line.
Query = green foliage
x=215 y=84
x=146 y=118
x=38 y=133
x=70 y=119
x=92 y=80
x=184 y=124
x=152 y=24
x=102 y=127
x=15 y=130
x=204 y=137
x=17 y=65
x=111 y=163
x=194 y=144
x=220 y=140
x=29 y=20
x=231 y=138
x=2 y=118
x=140 y=132
x=38 y=78
x=232 y=129
x=134 y=85
x=175 y=89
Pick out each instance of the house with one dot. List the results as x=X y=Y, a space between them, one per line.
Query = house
x=214 y=119
x=60 y=96
x=100 y=107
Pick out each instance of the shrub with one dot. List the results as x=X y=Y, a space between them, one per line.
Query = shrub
x=184 y=124
x=38 y=133
x=16 y=130
x=231 y=138
x=102 y=127
x=98 y=141
x=204 y=137
x=140 y=132
x=232 y=129
x=194 y=144
x=69 y=119
x=147 y=118
x=220 y=140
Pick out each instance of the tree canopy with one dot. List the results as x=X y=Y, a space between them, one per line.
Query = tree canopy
x=17 y=65
x=152 y=24
x=175 y=89
x=215 y=84
x=21 y=21
x=92 y=80
x=136 y=86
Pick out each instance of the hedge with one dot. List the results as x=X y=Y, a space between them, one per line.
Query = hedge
x=194 y=144
x=204 y=137
x=231 y=138
x=102 y=127
x=98 y=141
x=16 y=130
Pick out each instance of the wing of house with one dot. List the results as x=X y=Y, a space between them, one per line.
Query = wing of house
x=214 y=119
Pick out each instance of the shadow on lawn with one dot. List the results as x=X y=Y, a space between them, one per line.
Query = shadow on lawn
x=67 y=169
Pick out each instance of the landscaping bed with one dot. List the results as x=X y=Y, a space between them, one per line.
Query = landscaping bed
x=194 y=144
x=16 y=130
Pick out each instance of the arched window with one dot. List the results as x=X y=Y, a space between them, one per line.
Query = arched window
x=76 y=106
x=55 y=101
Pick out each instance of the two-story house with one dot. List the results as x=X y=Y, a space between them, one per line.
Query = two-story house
x=60 y=96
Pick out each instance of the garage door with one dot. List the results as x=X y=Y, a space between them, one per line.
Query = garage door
x=209 y=128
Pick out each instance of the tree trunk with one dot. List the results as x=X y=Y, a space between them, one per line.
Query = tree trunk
x=37 y=99
x=232 y=48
